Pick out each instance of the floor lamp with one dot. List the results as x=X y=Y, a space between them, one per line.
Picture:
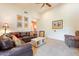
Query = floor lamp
x=5 y=26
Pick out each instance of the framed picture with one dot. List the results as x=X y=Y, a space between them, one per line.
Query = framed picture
x=25 y=19
x=19 y=24
x=58 y=24
x=41 y=33
x=19 y=21
x=25 y=22
x=19 y=17
x=25 y=25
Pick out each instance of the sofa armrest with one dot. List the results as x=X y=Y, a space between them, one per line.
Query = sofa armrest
x=76 y=37
x=24 y=50
x=69 y=37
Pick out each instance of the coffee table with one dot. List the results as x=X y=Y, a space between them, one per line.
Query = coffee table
x=36 y=42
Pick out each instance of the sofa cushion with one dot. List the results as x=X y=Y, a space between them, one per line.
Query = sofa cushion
x=23 y=34
x=17 y=41
x=27 y=33
x=17 y=34
x=26 y=39
x=9 y=35
x=6 y=43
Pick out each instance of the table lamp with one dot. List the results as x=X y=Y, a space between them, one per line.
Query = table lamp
x=5 y=26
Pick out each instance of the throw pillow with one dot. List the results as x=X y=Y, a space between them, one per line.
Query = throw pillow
x=17 y=41
x=9 y=35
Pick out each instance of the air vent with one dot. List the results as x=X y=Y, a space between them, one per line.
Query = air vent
x=25 y=12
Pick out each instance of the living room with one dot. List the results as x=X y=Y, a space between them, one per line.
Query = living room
x=40 y=17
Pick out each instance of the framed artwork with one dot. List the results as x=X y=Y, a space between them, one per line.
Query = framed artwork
x=19 y=24
x=58 y=24
x=25 y=22
x=25 y=25
x=41 y=33
x=19 y=17
x=25 y=19
x=22 y=21
x=19 y=21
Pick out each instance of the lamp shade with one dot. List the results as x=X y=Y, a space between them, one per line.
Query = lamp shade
x=5 y=25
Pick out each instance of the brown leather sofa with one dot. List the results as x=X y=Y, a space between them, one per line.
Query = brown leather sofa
x=25 y=36
x=9 y=48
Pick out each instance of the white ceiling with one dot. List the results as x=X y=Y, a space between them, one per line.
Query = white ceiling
x=31 y=6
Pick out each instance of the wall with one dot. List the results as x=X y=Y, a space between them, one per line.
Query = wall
x=8 y=15
x=68 y=12
x=70 y=15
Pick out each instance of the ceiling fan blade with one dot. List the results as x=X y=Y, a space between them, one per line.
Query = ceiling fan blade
x=42 y=5
x=48 y=4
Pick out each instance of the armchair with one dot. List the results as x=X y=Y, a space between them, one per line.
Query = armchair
x=72 y=41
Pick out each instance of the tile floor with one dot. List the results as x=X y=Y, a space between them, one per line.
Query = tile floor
x=55 y=48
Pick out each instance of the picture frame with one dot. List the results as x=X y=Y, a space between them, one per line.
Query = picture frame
x=19 y=17
x=19 y=21
x=41 y=33
x=22 y=21
x=25 y=22
x=25 y=25
x=19 y=24
x=58 y=24
x=25 y=19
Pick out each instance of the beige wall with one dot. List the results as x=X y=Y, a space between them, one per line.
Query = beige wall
x=68 y=12
x=70 y=15
x=8 y=15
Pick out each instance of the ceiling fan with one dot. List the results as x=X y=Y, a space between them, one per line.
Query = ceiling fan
x=47 y=4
